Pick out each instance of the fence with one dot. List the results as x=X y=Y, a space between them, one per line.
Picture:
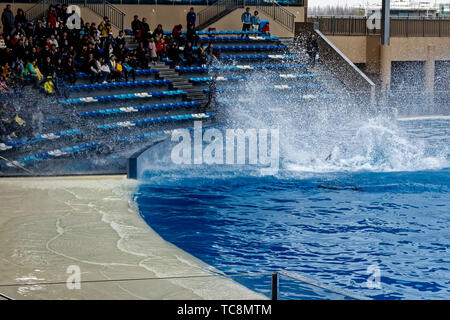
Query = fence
x=281 y=285
x=296 y=3
x=100 y=7
x=216 y=11
x=354 y=79
x=278 y=13
x=400 y=27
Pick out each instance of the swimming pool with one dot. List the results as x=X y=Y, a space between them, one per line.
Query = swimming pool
x=379 y=202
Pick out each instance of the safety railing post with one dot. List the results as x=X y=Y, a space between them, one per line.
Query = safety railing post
x=275 y=286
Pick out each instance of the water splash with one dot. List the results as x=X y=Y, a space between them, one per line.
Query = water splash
x=320 y=135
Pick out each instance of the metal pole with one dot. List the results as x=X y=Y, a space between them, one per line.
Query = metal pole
x=423 y=27
x=386 y=22
x=275 y=286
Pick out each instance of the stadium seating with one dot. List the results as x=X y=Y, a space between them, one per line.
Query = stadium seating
x=246 y=77
x=117 y=97
x=53 y=154
x=150 y=121
x=240 y=67
x=116 y=85
x=109 y=115
x=259 y=57
x=44 y=137
x=273 y=87
x=82 y=75
x=152 y=107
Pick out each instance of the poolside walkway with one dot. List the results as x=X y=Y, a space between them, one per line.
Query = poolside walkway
x=49 y=224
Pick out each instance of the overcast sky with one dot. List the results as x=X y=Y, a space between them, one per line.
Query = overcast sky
x=314 y=3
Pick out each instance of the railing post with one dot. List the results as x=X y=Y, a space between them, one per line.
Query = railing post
x=439 y=26
x=104 y=8
x=423 y=27
x=275 y=286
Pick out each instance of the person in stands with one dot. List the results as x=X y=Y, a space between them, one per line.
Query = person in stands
x=115 y=68
x=7 y=20
x=136 y=27
x=190 y=18
x=312 y=48
x=255 y=21
x=188 y=54
x=266 y=29
x=152 y=50
x=201 y=54
x=127 y=70
x=246 y=19
x=191 y=35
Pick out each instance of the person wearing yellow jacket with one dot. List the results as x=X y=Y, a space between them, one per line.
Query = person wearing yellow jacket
x=49 y=86
x=106 y=27
x=33 y=71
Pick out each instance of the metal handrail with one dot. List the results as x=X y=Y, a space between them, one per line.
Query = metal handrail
x=400 y=27
x=36 y=11
x=216 y=10
x=278 y=13
x=275 y=278
x=100 y=7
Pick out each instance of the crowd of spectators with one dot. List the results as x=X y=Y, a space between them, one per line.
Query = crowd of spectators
x=42 y=51
x=253 y=22
x=47 y=48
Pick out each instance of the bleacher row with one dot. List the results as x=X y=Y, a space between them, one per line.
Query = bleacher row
x=123 y=84
x=272 y=87
x=250 y=48
x=44 y=137
x=239 y=67
x=259 y=57
x=240 y=39
x=129 y=32
x=152 y=107
x=149 y=121
x=109 y=117
x=138 y=72
x=244 y=77
x=52 y=154
x=126 y=96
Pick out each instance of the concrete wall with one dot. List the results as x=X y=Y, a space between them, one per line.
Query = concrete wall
x=353 y=47
x=170 y=15
x=364 y=49
x=233 y=22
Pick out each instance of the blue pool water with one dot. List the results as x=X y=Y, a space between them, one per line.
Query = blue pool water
x=381 y=200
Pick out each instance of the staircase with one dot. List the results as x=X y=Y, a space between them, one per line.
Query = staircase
x=180 y=83
x=322 y=72
x=279 y=14
x=101 y=8
x=221 y=8
x=216 y=11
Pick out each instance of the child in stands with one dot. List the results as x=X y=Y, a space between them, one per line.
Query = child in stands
x=266 y=29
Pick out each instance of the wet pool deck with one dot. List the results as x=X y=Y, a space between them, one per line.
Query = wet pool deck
x=49 y=224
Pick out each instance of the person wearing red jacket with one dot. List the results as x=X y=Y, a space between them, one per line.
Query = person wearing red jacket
x=161 y=49
x=266 y=29
x=51 y=17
